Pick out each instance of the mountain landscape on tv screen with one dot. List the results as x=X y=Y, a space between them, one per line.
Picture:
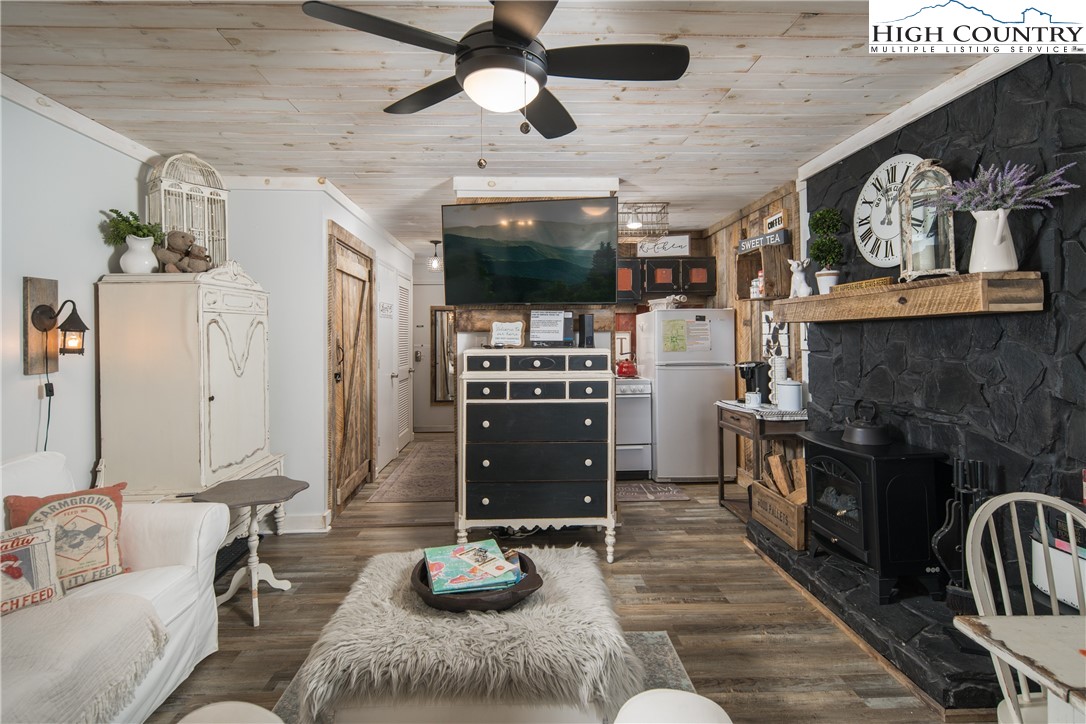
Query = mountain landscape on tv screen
x=545 y=262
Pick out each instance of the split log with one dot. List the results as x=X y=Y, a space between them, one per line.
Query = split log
x=797 y=496
x=781 y=476
x=799 y=472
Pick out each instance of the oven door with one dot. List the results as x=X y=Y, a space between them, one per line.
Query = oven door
x=836 y=500
x=633 y=419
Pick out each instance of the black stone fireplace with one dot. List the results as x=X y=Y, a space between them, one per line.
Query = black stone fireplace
x=880 y=505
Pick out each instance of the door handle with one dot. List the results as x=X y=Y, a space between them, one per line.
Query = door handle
x=395 y=375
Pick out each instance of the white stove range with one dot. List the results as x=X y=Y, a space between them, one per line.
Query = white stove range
x=633 y=427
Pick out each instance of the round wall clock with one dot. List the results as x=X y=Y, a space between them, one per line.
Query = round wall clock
x=876 y=223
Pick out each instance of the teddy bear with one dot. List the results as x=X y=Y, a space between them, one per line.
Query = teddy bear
x=182 y=254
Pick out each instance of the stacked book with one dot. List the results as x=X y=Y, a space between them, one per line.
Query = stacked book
x=478 y=566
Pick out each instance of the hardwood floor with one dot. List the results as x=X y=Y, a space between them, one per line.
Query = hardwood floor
x=748 y=640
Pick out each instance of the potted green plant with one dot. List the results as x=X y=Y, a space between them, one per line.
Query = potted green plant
x=826 y=249
x=140 y=237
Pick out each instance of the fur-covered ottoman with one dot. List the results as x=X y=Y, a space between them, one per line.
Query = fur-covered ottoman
x=386 y=650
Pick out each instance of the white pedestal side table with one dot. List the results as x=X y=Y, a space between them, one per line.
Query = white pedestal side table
x=253 y=492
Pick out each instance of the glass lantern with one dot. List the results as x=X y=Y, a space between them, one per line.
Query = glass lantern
x=927 y=235
x=185 y=193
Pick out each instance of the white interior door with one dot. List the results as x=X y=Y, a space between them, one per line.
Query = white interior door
x=405 y=430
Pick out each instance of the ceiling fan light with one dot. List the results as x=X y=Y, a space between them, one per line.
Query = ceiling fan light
x=501 y=90
x=634 y=222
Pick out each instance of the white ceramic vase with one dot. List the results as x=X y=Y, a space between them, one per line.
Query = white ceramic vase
x=993 y=247
x=139 y=259
x=827 y=280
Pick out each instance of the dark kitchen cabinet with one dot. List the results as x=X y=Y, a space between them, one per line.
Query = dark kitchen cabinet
x=686 y=275
x=628 y=280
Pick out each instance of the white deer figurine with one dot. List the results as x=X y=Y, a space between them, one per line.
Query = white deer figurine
x=800 y=287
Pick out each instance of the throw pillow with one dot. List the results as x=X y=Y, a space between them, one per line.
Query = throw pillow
x=88 y=530
x=28 y=568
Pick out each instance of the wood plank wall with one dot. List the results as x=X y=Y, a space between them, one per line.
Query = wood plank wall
x=724 y=237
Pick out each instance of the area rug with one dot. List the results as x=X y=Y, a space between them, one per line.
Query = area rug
x=563 y=645
x=646 y=490
x=428 y=473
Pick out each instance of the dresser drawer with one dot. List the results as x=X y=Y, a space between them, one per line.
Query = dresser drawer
x=594 y=390
x=536 y=500
x=588 y=362
x=539 y=363
x=546 y=422
x=514 y=462
x=487 y=363
x=537 y=390
x=486 y=390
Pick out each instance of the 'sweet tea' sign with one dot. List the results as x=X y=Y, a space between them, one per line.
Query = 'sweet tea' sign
x=775 y=238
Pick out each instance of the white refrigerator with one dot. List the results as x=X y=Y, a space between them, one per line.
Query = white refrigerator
x=690 y=356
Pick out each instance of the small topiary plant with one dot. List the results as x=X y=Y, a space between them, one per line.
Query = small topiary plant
x=119 y=226
x=826 y=249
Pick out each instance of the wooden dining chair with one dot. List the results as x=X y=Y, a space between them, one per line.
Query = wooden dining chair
x=998 y=526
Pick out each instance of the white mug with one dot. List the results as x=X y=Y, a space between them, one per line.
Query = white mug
x=753 y=399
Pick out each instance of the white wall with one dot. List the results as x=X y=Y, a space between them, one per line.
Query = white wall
x=280 y=237
x=56 y=185
x=429 y=291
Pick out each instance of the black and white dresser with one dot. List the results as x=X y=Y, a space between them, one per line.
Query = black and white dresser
x=536 y=438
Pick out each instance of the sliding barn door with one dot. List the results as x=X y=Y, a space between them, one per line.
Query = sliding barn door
x=351 y=353
x=405 y=427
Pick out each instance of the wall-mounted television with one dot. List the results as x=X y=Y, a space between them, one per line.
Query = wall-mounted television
x=560 y=251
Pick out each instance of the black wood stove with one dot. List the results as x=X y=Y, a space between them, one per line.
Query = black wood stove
x=879 y=505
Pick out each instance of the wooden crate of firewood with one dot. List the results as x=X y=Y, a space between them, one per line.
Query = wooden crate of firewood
x=780 y=501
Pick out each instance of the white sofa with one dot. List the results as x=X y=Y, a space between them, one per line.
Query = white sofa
x=170 y=548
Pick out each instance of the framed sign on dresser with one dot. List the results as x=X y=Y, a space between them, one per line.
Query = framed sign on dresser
x=183 y=380
x=535 y=432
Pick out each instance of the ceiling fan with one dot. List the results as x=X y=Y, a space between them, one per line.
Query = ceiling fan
x=503 y=67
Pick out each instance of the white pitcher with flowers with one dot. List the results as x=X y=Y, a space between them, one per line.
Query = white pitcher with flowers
x=990 y=196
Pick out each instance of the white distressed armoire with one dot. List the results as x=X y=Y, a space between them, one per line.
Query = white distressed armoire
x=183 y=381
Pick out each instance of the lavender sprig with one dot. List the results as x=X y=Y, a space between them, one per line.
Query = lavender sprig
x=1006 y=188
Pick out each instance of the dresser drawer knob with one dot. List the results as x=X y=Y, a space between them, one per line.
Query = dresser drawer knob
x=588 y=390
x=485 y=501
x=486 y=463
x=588 y=498
x=588 y=422
x=536 y=363
x=486 y=390
x=538 y=391
x=486 y=364
x=588 y=363
x=486 y=423
x=588 y=463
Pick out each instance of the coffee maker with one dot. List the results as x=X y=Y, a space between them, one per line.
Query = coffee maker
x=756 y=376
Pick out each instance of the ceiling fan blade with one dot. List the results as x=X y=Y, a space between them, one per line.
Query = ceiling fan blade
x=379 y=26
x=521 y=18
x=426 y=97
x=549 y=116
x=633 y=61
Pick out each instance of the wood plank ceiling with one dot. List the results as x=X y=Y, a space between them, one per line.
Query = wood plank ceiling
x=260 y=89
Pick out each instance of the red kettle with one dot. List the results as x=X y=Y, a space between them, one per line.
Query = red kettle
x=626 y=368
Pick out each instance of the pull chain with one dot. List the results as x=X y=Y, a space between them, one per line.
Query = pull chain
x=525 y=127
x=482 y=161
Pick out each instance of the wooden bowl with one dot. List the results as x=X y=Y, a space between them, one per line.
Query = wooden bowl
x=477 y=600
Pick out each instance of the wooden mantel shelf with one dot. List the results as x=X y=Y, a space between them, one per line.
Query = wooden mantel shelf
x=984 y=293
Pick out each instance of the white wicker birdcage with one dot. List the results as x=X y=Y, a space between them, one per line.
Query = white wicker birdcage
x=187 y=194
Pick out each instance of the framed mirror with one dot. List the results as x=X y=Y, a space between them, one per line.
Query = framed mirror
x=442 y=355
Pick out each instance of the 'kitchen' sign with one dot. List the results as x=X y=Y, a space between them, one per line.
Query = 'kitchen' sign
x=665 y=246
x=756 y=242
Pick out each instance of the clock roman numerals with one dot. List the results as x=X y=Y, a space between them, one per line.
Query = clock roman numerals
x=876 y=221
x=891 y=175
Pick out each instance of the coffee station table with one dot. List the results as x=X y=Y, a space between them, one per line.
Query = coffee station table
x=759 y=424
x=252 y=492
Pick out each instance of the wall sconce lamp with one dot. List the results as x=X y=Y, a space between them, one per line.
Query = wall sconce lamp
x=72 y=329
x=434 y=263
x=41 y=344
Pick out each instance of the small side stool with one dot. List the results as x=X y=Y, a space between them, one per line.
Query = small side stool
x=252 y=492
x=235 y=712
x=671 y=706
